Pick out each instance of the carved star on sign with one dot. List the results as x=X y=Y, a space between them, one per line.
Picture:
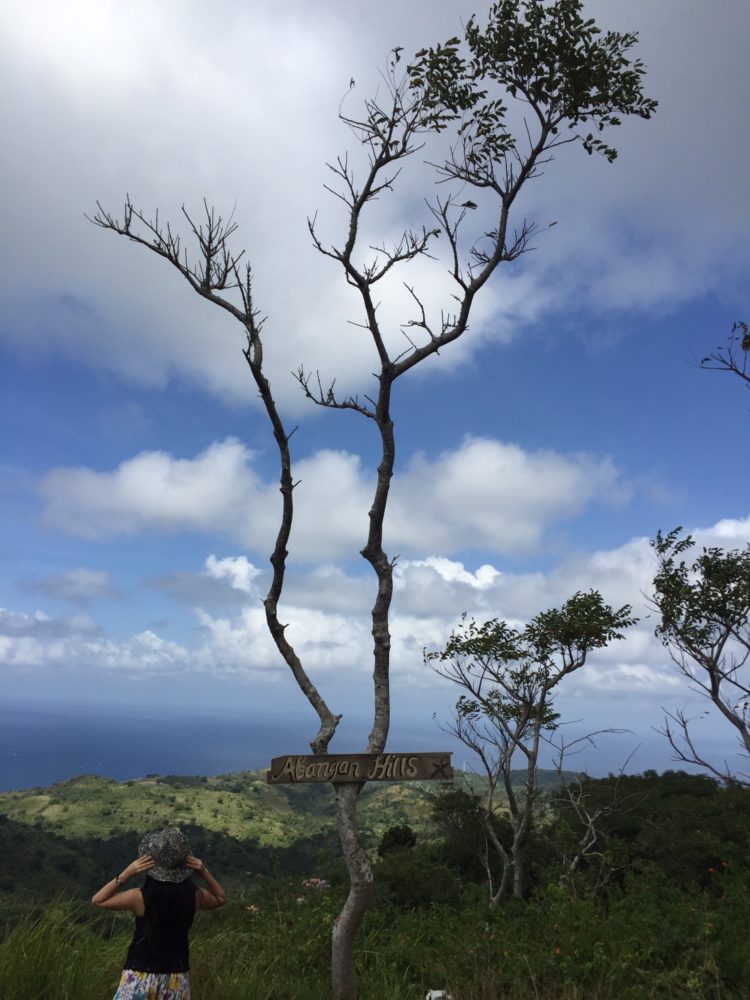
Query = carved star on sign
x=441 y=768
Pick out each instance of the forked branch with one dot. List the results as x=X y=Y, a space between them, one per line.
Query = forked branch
x=214 y=271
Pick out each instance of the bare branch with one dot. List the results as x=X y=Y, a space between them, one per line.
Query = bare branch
x=327 y=397
x=217 y=269
x=735 y=357
x=685 y=751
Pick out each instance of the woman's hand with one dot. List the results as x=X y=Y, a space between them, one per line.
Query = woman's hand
x=195 y=863
x=108 y=896
x=211 y=897
x=141 y=864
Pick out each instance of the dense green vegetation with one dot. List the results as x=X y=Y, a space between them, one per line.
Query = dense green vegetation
x=69 y=838
x=659 y=909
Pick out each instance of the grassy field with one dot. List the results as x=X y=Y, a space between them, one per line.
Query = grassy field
x=649 y=945
x=670 y=922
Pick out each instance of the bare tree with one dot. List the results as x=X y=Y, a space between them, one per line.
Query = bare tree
x=735 y=357
x=705 y=625
x=566 y=76
x=510 y=675
x=589 y=820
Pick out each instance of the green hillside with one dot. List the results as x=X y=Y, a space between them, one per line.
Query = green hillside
x=70 y=837
x=237 y=806
x=661 y=910
x=241 y=806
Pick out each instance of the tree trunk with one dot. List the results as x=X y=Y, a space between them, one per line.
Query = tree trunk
x=518 y=873
x=349 y=921
x=497 y=897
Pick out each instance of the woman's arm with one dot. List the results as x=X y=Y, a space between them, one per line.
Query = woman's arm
x=212 y=897
x=108 y=898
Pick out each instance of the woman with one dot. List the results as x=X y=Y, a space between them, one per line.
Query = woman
x=157 y=963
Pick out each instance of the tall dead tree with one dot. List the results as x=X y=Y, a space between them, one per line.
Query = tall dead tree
x=567 y=77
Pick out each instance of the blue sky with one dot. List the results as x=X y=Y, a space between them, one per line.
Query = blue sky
x=537 y=456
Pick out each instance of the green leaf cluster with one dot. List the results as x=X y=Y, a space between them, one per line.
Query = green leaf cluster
x=703 y=602
x=511 y=670
x=548 y=56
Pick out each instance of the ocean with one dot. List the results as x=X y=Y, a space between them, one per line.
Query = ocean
x=42 y=745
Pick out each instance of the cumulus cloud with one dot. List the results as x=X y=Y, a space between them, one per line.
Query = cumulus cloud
x=144 y=652
x=155 y=491
x=237 y=570
x=33 y=640
x=493 y=495
x=485 y=493
x=39 y=625
x=29 y=641
x=327 y=642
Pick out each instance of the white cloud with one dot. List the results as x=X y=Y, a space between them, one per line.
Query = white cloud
x=329 y=588
x=41 y=626
x=451 y=571
x=483 y=494
x=328 y=614
x=489 y=494
x=155 y=491
x=729 y=533
x=327 y=642
x=145 y=652
x=37 y=640
x=241 y=106
x=237 y=570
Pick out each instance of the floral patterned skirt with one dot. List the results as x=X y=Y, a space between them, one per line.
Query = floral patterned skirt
x=153 y=986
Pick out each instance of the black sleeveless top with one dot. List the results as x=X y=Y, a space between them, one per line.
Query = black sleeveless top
x=160 y=942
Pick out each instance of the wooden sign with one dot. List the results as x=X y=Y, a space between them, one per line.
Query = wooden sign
x=360 y=767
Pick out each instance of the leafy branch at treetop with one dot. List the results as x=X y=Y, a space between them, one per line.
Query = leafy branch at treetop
x=546 y=55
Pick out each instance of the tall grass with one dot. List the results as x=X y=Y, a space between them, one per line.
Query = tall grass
x=66 y=952
x=60 y=953
x=654 y=942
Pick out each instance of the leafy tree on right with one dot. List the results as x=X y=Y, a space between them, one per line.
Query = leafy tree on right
x=705 y=625
x=510 y=676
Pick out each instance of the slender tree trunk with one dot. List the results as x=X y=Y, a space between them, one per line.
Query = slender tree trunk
x=519 y=871
x=360 y=872
x=492 y=838
x=343 y=975
x=499 y=895
x=374 y=553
